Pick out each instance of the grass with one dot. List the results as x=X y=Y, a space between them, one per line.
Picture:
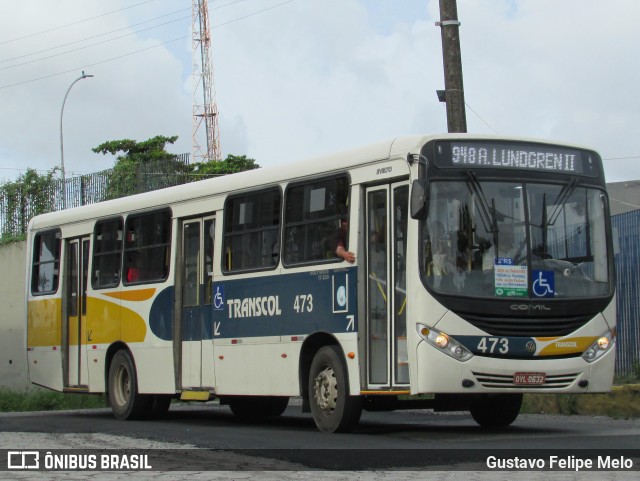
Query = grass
x=45 y=400
x=623 y=402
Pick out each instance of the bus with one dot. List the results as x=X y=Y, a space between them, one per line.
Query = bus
x=480 y=268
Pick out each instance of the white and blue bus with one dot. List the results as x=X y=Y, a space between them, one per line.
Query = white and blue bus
x=483 y=270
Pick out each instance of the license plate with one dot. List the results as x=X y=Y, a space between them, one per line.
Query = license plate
x=529 y=378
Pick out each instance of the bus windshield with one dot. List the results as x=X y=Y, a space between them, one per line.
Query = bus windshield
x=505 y=239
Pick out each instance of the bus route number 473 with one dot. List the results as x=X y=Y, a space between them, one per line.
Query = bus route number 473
x=303 y=303
x=529 y=378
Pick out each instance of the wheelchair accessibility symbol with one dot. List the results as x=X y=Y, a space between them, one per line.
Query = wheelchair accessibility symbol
x=218 y=298
x=543 y=284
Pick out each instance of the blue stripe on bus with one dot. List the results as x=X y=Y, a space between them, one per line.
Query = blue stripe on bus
x=278 y=305
x=161 y=314
x=283 y=305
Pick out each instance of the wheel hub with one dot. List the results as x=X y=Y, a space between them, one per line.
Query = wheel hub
x=326 y=391
x=122 y=386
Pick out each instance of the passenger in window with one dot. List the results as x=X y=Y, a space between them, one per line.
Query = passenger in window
x=134 y=272
x=341 y=239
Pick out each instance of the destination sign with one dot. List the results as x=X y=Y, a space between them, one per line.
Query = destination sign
x=523 y=156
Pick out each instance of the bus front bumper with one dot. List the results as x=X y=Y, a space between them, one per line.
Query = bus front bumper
x=439 y=373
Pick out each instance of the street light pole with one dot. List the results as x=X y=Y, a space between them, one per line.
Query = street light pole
x=64 y=180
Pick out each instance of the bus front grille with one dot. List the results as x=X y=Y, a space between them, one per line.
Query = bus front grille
x=526 y=326
x=502 y=381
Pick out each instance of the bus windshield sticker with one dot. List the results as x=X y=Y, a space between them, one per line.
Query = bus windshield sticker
x=510 y=280
x=543 y=284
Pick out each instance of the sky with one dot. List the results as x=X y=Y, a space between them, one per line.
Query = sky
x=296 y=79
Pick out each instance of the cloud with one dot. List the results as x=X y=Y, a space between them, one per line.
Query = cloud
x=311 y=77
x=136 y=96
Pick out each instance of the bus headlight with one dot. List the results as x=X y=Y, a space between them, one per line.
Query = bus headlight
x=443 y=342
x=600 y=347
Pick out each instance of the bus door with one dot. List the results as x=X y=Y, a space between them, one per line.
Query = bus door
x=195 y=311
x=74 y=334
x=386 y=247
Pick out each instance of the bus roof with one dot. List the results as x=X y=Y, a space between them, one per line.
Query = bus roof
x=231 y=183
x=398 y=147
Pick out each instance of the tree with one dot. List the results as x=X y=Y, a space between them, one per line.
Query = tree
x=231 y=165
x=144 y=166
x=30 y=195
x=148 y=166
x=138 y=152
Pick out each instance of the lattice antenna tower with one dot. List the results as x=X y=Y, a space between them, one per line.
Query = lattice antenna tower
x=205 y=109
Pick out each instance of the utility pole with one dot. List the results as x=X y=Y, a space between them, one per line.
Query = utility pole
x=454 y=90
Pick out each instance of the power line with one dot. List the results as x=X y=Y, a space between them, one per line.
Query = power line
x=483 y=120
x=93 y=44
x=624 y=203
x=623 y=158
x=113 y=31
x=99 y=35
x=253 y=14
x=73 y=23
x=144 y=49
x=95 y=63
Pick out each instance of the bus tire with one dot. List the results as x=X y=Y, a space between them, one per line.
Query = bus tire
x=126 y=403
x=255 y=407
x=496 y=410
x=333 y=409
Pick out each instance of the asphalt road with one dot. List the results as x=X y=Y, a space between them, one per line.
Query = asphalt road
x=410 y=440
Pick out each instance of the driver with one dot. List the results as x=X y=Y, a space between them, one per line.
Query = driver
x=506 y=247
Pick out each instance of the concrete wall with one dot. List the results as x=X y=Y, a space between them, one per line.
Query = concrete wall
x=624 y=196
x=13 y=358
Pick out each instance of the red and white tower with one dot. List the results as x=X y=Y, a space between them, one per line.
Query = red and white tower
x=205 y=109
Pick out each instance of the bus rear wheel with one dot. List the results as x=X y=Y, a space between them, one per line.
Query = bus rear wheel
x=496 y=410
x=126 y=403
x=333 y=409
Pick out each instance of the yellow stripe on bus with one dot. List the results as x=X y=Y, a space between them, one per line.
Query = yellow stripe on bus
x=104 y=323
x=108 y=322
x=43 y=323
x=136 y=295
x=567 y=345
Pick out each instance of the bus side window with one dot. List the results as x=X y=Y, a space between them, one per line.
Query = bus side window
x=147 y=243
x=252 y=231
x=107 y=253
x=45 y=271
x=312 y=220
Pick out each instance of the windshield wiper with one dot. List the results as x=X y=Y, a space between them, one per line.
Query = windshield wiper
x=558 y=204
x=487 y=213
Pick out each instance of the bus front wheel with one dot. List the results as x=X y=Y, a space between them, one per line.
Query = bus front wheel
x=126 y=403
x=333 y=409
x=496 y=410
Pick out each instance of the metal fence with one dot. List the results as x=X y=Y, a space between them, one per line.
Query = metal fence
x=627 y=258
x=20 y=204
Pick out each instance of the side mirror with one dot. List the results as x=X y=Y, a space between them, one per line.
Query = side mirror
x=419 y=199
